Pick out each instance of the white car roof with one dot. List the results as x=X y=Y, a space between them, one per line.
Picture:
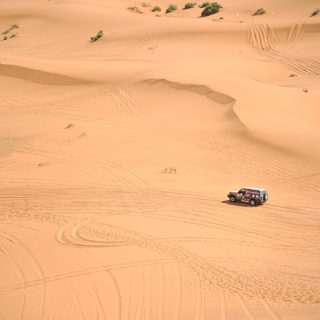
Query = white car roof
x=258 y=189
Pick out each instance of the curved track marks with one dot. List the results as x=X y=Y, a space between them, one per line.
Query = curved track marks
x=263 y=39
x=212 y=274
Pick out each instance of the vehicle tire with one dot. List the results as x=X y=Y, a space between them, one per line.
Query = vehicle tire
x=233 y=199
x=252 y=202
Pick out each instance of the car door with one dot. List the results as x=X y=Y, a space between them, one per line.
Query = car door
x=248 y=194
x=240 y=194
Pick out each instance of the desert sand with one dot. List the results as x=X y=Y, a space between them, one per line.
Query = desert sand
x=117 y=156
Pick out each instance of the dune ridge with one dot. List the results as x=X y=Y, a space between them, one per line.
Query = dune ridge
x=38 y=76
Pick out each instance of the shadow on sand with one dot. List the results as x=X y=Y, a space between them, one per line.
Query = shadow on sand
x=238 y=203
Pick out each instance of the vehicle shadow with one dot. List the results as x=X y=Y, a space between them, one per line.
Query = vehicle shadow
x=237 y=203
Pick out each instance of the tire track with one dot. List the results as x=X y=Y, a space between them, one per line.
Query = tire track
x=76 y=274
x=270 y=312
x=246 y=309
x=40 y=273
x=123 y=99
x=223 y=309
x=215 y=275
x=21 y=276
x=140 y=304
x=263 y=40
x=161 y=303
x=199 y=314
x=178 y=305
x=148 y=293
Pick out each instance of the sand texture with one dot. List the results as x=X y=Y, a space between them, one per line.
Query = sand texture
x=116 y=157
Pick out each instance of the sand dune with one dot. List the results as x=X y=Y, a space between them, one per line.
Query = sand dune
x=117 y=155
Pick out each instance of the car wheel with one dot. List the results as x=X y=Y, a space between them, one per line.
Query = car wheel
x=252 y=202
x=233 y=199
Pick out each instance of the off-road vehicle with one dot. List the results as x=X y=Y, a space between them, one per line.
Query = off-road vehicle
x=252 y=195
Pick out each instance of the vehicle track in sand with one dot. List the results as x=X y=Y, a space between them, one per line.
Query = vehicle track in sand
x=263 y=39
x=212 y=275
x=190 y=209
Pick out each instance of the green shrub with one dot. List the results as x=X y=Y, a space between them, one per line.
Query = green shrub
x=135 y=9
x=13 y=35
x=315 y=12
x=13 y=26
x=259 y=12
x=156 y=8
x=216 y=4
x=189 y=5
x=212 y=8
x=97 y=37
x=171 y=8
x=203 y=5
x=5 y=38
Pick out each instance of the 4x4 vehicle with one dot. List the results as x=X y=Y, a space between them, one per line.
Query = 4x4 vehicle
x=252 y=195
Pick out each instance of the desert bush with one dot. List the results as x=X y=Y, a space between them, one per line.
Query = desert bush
x=156 y=8
x=5 y=38
x=315 y=12
x=13 y=35
x=204 y=4
x=97 y=36
x=189 y=5
x=171 y=8
x=212 y=8
x=13 y=26
x=135 y=9
x=259 y=12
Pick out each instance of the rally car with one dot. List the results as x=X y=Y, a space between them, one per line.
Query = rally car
x=254 y=196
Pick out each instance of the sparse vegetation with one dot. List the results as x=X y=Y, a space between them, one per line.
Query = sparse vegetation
x=13 y=35
x=189 y=5
x=210 y=9
x=70 y=125
x=156 y=8
x=4 y=38
x=135 y=9
x=259 y=12
x=171 y=8
x=13 y=26
x=203 y=5
x=315 y=12
x=170 y=170
x=97 y=36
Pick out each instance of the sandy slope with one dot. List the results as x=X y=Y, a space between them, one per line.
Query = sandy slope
x=116 y=158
